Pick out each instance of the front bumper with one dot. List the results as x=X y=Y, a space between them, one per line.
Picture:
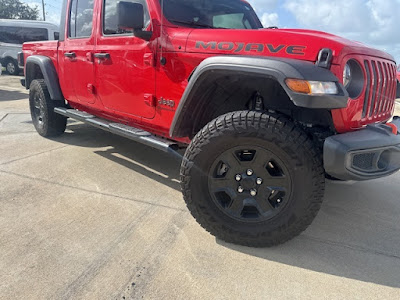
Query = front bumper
x=369 y=153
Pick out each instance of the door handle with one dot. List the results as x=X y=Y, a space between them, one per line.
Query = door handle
x=70 y=54
x=102 y=55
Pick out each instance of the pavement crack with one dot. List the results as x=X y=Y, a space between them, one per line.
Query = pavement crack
x=33 y=155
x=3 y=117
x=94 y=192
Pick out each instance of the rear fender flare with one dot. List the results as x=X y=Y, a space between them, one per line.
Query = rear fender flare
x=49 y=75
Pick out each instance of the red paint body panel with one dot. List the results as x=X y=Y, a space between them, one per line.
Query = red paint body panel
x=129 y=86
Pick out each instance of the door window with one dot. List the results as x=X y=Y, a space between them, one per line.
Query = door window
x=81 y=18
x=110 y=22
x=20 y=35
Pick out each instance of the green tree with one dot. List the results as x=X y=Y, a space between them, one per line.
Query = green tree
x=15 y=9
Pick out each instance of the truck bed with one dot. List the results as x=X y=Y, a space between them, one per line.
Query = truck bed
x=45 y=48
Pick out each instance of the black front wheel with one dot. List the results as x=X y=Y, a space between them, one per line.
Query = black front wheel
x=253 y=179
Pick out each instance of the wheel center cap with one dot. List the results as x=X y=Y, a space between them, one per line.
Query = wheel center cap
x=248 y=183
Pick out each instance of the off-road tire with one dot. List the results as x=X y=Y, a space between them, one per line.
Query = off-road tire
x=12 y=67
x=47 y=123
x=279 y=135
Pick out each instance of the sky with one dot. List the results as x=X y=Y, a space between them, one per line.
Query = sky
x=372 y=22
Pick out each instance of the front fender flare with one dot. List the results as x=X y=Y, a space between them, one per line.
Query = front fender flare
x=49 y=75
x=278 y=69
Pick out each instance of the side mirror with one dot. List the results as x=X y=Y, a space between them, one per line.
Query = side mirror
x=131 y=16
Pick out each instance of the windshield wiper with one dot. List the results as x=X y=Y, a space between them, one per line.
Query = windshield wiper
x=193 y=23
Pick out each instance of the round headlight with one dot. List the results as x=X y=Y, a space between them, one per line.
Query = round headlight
x=353 y=78
x=347 y=75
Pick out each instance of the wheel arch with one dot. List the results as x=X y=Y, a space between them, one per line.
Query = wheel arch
x=224 y=84
x=42 y=67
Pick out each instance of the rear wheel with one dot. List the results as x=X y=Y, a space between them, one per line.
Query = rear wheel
x=253 y=179
x=12 y=67
x=45 y=120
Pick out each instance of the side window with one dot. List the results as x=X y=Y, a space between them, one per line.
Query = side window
x=110 y=22
x=33 y=34
x=8 y=35
x=81 y=18
x=20 y=35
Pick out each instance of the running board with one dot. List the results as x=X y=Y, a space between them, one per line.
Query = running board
x=132 y=133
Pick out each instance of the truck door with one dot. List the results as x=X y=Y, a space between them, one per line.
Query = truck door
x=125 y=76
x=77 y=53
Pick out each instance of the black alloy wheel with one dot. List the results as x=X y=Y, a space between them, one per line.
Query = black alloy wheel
x=249 y=184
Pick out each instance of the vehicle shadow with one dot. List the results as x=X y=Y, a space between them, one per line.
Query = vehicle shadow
x=356 y=234
x=154 y=164
x=12 y=95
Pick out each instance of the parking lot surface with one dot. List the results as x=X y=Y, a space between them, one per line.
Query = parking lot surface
x=90 y=215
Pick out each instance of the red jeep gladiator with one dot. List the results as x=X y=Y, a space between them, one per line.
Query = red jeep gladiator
x=265 y=114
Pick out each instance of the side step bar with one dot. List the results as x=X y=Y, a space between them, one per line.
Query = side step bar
x=135 y=134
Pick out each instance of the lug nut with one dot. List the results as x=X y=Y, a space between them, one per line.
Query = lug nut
x=250 y=172
x=240 y=189
x=253 y=192
x=259 y=181
x=238 y=177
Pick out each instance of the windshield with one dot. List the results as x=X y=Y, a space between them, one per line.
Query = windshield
x=232 y=14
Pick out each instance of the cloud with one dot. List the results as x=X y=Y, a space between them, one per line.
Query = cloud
x=266 y=10
x=374 y=22
x=264 y=4
x=270 y=19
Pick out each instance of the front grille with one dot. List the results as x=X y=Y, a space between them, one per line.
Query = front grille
x=380 y=90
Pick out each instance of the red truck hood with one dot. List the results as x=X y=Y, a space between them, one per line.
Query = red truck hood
x=291 y=43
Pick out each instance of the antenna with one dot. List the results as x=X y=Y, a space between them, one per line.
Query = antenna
x=162 y=60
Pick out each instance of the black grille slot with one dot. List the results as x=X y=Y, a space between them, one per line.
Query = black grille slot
x=380 y=87
x=374 y=87
x=394 y=86
x=366 y=98
x=384 y=88
x=387 y=88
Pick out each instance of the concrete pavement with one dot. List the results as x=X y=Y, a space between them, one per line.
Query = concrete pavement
x=90 y=215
